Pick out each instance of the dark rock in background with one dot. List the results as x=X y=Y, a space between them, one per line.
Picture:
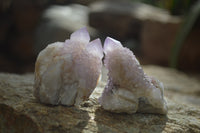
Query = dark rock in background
x=18 y=21
x=122 y=19
x=84 y=2
x=189 y=58
x=157 y=38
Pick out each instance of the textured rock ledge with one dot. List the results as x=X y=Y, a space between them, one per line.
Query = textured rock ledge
x=20 y=112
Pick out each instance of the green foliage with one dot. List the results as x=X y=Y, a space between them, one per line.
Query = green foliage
x=175 y=7
x=184 y=31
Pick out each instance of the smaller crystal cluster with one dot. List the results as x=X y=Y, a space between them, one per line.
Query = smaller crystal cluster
x=67 y=72
x=129 y=89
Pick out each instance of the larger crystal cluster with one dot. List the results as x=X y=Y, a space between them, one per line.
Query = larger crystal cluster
x=129 y=89
x=67 y=72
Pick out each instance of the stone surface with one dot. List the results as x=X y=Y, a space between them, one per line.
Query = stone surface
x=179 y=86
x=20 y=112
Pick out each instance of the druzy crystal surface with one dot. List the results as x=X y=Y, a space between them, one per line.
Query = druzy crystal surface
x=67 y=72
x=129 y=89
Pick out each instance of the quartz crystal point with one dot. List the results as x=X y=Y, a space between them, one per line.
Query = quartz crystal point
x=129 y=89
x=67 y=72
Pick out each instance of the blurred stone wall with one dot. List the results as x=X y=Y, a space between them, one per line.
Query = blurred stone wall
x=19 y=22
x=153 y=28
x=27 y=26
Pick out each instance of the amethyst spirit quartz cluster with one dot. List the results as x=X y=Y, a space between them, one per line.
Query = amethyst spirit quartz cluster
x=128 y=88
x=67 y=72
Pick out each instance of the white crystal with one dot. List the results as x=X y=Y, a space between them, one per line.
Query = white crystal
x=67 y=72
x=129 y=89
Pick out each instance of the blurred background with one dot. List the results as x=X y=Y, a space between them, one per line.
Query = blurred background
x=160 y=32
